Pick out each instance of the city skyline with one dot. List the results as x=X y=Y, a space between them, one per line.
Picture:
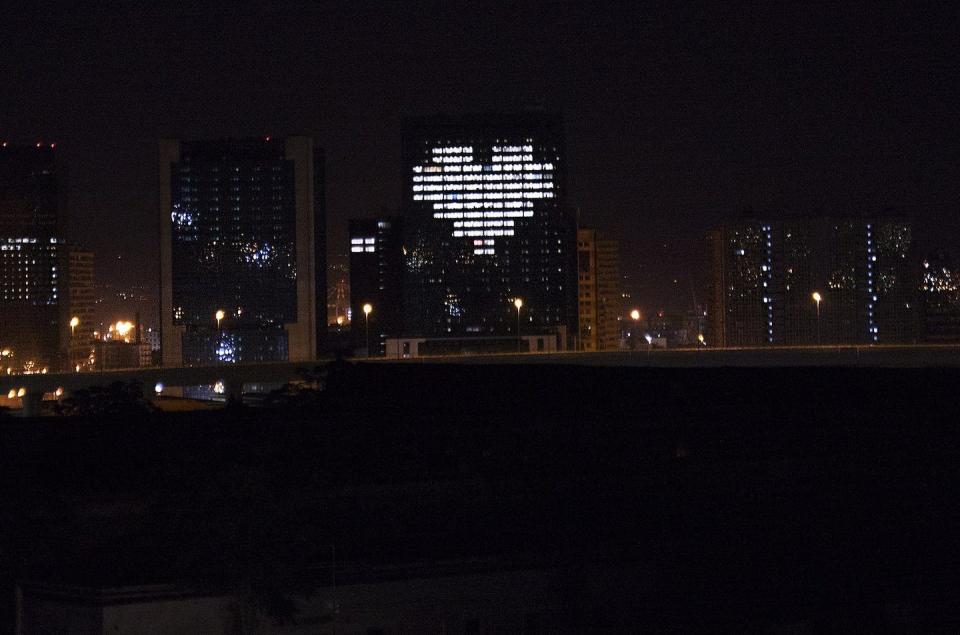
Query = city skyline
x=676 y=117
x=479 y=317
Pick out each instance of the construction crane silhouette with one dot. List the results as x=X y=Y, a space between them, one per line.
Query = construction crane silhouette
x=337 y=298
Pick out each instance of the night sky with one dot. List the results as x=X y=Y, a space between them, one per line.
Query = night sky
x=676 y=116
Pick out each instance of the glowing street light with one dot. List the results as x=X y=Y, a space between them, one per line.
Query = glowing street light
x=817 y=298
x=700 y=339
x=74 y=322
x=635 y=316
x=367 y=309
x=219 y=315
x=122 y=328
x=519 y=304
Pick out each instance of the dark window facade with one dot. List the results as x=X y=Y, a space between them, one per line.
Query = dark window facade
x=234 y=234
x=764 y=275
x=208 y=348
x=376 y=269
x=29 y=193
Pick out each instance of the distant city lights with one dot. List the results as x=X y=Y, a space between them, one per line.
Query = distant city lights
x=123 y=329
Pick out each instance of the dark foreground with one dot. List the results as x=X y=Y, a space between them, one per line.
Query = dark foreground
x=683 y=500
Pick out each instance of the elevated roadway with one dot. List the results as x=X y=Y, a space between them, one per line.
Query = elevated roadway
x=234 y=377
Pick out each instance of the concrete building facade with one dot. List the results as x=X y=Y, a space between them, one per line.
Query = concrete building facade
x=598 y=291
x=80 y=303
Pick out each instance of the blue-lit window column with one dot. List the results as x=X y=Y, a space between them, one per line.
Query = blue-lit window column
x=768 y=282
x=871 y=294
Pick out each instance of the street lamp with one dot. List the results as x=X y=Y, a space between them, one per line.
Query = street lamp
x=123 y=328
x=74 y=322
x=367 y=308
x=700 y=339
x=635 y=315
x=219 y=316
x=519 y=304
x=816 y=298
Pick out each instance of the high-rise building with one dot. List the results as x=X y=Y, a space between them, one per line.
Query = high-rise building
x=31 y=258
x=376 y=267
x=600 y=301
x=30 y=302
x=242 y=251
x=30 y=191
x=77 y=315
x=764 y=274
x=485 y=224
x=940 y=300
x=741 y=282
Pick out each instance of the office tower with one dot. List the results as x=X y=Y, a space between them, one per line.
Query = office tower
x=30 y=303
x=896 y=271
x=30 y=191
x=940 y=300
x=77 y=315
x=743 y=303
x=31 y=254
x=485 y=224
x=242 y=251
x=764 y=274
x=376 y=264
x=598 y=265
